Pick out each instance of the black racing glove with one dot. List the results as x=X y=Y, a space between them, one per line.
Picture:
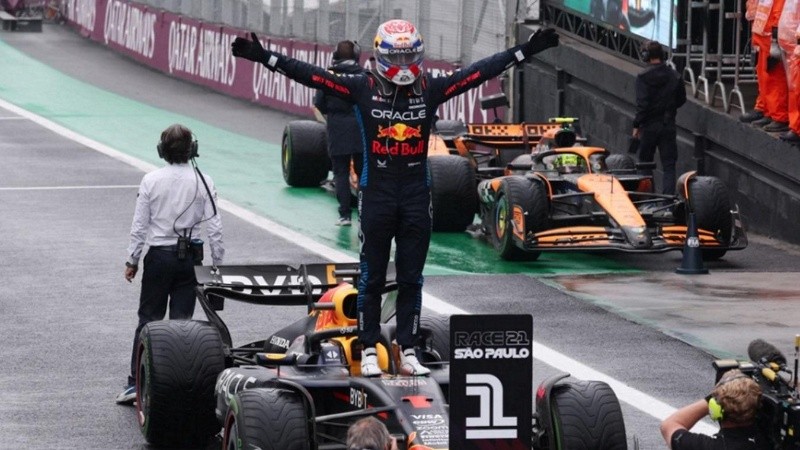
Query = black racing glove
x=541 y=40
x=248 y=49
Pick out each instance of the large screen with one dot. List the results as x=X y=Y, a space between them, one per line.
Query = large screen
x=650 y=19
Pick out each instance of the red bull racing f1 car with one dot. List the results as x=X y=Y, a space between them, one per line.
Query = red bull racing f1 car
x=300 y=387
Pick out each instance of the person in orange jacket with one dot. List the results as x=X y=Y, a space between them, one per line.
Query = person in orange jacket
x=788 y=28
x=772 y=85
x=757 y=112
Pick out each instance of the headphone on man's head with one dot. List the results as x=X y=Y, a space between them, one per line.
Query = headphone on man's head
x=715 y=410
x=356 y=51
x=162 y=148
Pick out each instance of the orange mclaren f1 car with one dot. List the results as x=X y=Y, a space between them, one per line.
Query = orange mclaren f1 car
x=585 y=199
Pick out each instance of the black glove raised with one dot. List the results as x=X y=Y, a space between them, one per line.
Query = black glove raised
x=541 y=40
x=248 y=49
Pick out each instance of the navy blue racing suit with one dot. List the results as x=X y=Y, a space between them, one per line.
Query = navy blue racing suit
x=394 y=196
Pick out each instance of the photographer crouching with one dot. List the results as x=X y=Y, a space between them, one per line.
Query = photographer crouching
x=734 y=403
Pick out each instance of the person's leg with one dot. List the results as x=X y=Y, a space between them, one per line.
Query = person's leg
x=182 y=297
x=668 y=150
x=762 y=43
x=156 y=280
x=341 y=181
x=413 y=239
x=377 y=219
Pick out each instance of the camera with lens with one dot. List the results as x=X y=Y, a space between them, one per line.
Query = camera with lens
x=778 y=416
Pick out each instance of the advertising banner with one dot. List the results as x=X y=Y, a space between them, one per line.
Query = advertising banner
x=491 y=381
x=200 y=52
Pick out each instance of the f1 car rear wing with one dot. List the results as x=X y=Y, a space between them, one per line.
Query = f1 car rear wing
x=277 y=284
x=273 y=284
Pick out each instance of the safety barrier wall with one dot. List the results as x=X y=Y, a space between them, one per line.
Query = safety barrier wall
x=199 y=52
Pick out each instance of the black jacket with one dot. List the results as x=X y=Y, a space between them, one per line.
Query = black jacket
x=395 y=120
x=659 y=94
x=344 y=134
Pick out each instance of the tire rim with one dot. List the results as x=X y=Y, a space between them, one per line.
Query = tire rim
x=231 y=440
x=142 y=389
x=501 y=217
x=286 y=154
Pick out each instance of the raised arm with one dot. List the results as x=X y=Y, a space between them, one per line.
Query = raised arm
x=302 y=72
x=463 y=80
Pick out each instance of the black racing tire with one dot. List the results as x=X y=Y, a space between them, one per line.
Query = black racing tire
x=712 y=209
x=454 y=194
x=522 y=164
x=587 y=415
x=435 y=333
x=178 y=364
x=304 y=153
x=532 y=198
x=620 y=162
x=449 y=129
x=267 y=418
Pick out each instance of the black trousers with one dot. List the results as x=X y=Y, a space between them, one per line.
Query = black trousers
x=165 y=281
x=399 y=210
x=341 y=180
x=664 y=137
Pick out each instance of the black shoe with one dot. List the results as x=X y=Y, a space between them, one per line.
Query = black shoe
x=790 y=136
x=761 y=122
x=776 y=127
x=751 y=116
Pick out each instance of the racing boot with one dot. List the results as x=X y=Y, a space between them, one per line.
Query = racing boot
x=410 y=365
x=369 y=363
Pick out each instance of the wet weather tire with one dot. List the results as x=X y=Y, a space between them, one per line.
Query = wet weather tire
x=178 y=362
x=269 y=419
x=621 y=163
x=532 y=198
x=454 y=194
x=304 y=153
x=435 y=331
x=587 y=416
x=449 y=129
x=712 y=208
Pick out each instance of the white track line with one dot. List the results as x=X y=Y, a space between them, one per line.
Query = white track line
x=637 y=399
x=64 y=188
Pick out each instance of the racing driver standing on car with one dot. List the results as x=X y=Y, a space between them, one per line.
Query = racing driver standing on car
x=395 y=104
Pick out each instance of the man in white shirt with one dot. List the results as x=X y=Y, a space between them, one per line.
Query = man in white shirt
x=172 y=203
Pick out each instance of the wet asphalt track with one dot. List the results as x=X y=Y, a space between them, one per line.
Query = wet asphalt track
x=68 y=315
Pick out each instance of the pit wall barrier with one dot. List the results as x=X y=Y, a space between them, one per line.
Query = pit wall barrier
x=200 y=53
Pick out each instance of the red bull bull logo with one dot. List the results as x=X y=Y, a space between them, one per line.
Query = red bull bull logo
x=400 y=132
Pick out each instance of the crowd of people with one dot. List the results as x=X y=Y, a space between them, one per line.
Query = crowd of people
x=775 y=32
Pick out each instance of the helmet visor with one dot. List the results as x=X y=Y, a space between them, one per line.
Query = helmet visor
x=400 y=56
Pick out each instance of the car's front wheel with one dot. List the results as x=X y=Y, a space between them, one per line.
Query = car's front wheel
x=267 y=419
x=178 y=364
x=587 y=415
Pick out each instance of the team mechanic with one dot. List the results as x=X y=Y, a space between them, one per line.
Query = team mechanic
x=395 y=104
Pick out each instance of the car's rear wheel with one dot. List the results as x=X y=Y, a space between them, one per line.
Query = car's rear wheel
x=178 y=364
x=529 y=199
x=454 y=194
x=712 y=208
x=586 y=415
x=619 y=162
x=449 y=129
x=269 y=419
x=304 y=153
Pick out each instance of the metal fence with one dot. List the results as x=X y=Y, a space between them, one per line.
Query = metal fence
x=459 y=31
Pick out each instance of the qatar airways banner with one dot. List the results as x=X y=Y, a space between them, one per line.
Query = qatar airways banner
x=200 y=52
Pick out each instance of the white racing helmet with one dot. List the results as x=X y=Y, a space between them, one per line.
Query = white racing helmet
x=399 y=51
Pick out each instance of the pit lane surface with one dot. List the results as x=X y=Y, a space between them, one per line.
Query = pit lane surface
x=69 y=315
